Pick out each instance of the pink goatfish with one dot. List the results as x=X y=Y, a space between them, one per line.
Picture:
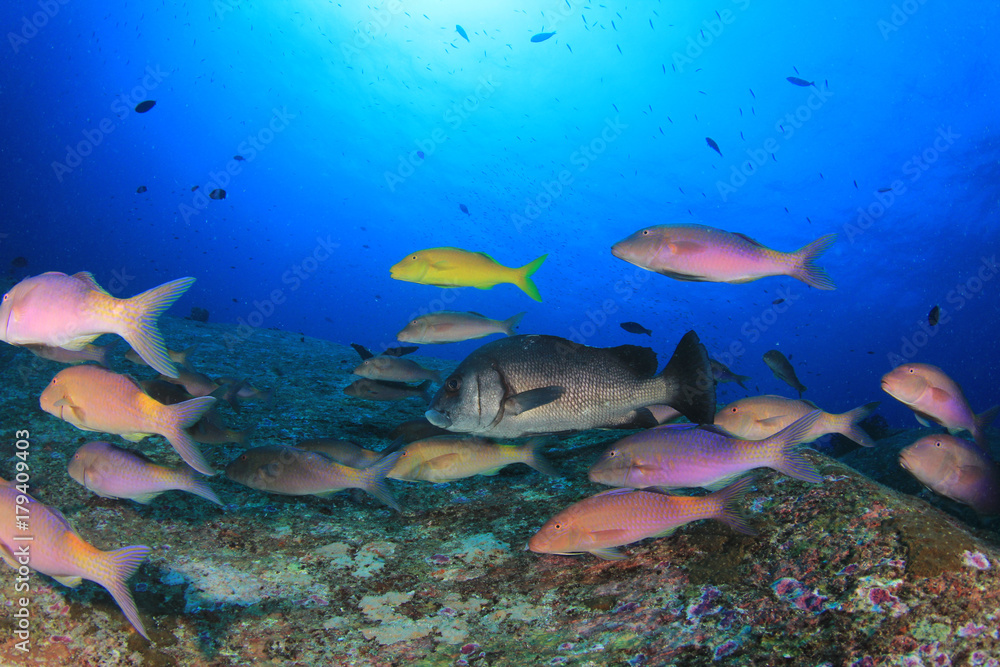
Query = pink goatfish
x=706 y=254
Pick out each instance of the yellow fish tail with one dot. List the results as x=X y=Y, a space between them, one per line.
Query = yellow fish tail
x=118 y=568
x=804 y=264
x=524 y=281
x=140 y=330
x=180 y=417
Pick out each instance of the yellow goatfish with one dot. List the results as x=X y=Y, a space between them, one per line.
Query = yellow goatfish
x=454 y=267
x=57 y=551
x=94 y=399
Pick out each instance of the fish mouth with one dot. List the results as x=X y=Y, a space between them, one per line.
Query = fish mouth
x=439 y=419
x=617 y=250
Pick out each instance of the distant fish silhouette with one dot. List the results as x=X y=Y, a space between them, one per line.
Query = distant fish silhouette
x=239 y=158
x=542 y=36
x=194 y=187
x=934 y=316
x=461 y=32
x=19 y=262
x=420 y=154
x=141 y=189
x=217 y=193
x=800 y=82
x=885 y=189
x=143 y=107
x=782 y=369
x=636 y=328
x=465 y=209
x=714 y=146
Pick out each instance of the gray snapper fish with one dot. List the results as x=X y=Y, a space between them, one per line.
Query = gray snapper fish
x=451 y=327
x=292 y=471
x=534 y=384
x=395 y=369
x=379 y=390
x=782 y=369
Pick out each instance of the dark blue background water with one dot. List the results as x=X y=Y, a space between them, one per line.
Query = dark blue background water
x=329 y=103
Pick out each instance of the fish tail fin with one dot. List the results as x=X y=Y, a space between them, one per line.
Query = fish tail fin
x=689 y=381
x=729 y=496
x=847 y=424
x=790 y=461
x=184 y=356
x=740 y=379
x=200 y=487
x=184 y=415
x=101 y=354
x=140 y=330
x=804 y=265
x=983 y=420
x=535 y=458
x=374 y=477
x=509 y=325
x=117 y=568
x=524 y=280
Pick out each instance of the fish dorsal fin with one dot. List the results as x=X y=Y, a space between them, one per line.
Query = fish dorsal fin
x=641 y=360
x=472 y=312
x=614 y=492
x=751 y=240
x=88 y=278
x=483 y=254
x=717 y=430
x=810 y=403
x=676 y=427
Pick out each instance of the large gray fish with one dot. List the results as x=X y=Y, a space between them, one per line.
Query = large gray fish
x=526 y=385
x=295 y=472
x=782 y=369
x=377 y=390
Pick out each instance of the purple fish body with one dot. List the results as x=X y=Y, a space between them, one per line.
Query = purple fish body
x=683 y=455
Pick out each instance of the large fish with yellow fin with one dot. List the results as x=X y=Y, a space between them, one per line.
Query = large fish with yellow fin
x=454 y=267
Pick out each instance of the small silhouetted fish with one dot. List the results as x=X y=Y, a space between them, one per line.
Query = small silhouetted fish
x=362 y=351
x=934 y=316
x=217 y=193
x=711 y=144
x=885 y=189
x=461 y=32
x=19 y=262
x=464 y=208
x=856 y=185
x=777 y=301
x=799 y=82
x=399 y=351
x=141 y=189
x=420 y=154
x=239 y=158
x=542 y=36
x=143 y=107
x=194 y=187
x=636 y=328
x=783 y=370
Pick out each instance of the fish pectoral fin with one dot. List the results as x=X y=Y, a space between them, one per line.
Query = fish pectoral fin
x=135 y=437
x=922 y=418
x=771 y=421
x=70 y=581
x=685 y=247
x=531 y=399
x=608 y=553
x=441 y=462
x=940 y=395
x=8 y=556
x=443 y=265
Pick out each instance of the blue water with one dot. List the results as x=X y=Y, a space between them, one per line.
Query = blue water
x=328 y=104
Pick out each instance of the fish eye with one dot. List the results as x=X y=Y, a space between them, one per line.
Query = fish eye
x=557 y=526
x=414 y=258
x=645 y=232
x=910 y=370
x=243 y=457
x=612 y=453
x=734 y=409
x=452 y=384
